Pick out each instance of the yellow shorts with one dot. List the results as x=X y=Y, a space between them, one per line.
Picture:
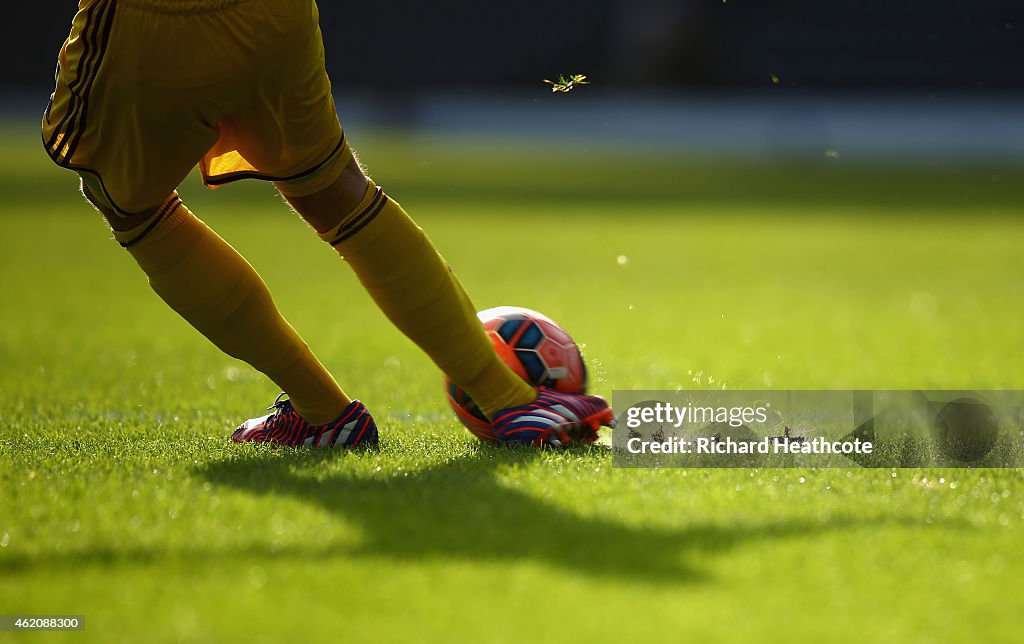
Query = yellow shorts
x=146 y=89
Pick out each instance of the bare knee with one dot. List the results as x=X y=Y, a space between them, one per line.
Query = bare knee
x=325 y=209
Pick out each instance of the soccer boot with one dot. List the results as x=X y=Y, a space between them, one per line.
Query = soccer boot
x=284 y=426
x=555 y=418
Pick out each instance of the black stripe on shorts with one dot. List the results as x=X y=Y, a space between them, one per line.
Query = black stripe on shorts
x=90 y=71
x=93 y=21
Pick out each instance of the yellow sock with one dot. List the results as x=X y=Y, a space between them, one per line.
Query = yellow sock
x=419 y=293
x=209 y=284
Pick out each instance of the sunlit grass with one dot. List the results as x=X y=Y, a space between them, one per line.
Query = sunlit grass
x=123 y=501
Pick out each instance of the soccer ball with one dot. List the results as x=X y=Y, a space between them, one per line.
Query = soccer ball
x=534 y=347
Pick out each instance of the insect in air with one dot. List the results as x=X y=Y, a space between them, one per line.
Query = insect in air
x=566 y=84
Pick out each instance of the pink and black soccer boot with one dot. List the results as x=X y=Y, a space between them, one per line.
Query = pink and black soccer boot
x=555 y=418
x=284 y=426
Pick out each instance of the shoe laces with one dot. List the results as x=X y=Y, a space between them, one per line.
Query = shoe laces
x=280 y=404
x=280 y=408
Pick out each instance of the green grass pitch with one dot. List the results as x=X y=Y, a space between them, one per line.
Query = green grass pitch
x=121 y=499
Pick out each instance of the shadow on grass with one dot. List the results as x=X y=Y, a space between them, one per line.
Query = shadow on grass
x=460 y=511
x=456 y=511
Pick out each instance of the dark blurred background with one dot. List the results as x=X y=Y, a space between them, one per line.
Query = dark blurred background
x=685 y=44
x=767 y=74
x=649 y=44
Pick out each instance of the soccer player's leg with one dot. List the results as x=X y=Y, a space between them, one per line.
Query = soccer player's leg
x=417 y=290
x=212 y=287
x=132 y=142
x=287 y=131
x=411 y=283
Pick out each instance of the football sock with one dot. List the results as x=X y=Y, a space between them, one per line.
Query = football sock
x=208 y=283
x=416 y=289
